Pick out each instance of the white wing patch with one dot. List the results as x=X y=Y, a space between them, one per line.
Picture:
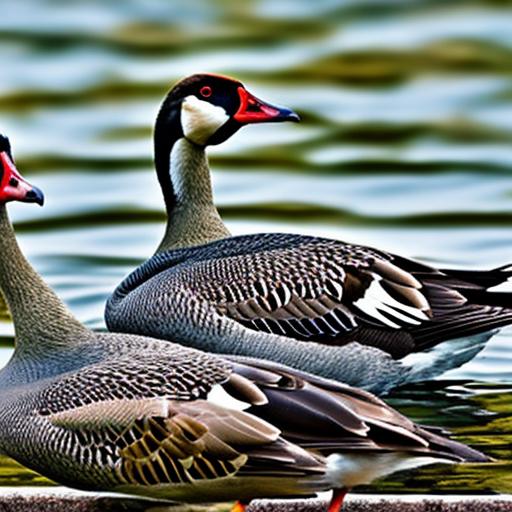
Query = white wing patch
x=377 y=301
x=200 y=119
x=219 y=396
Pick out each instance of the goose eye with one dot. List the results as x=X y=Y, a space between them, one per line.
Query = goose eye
x=13 y=182
x=205 y=91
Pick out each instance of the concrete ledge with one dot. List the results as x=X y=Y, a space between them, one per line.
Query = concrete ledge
x=394 y=503
x=66 y=500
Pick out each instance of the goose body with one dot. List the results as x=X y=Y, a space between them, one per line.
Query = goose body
x=132 y=414
x=344 y=311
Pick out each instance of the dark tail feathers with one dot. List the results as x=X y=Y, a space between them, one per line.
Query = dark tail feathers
x=483 y=286
x=481 y=278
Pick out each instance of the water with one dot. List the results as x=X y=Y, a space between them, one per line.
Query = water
x=405 y=145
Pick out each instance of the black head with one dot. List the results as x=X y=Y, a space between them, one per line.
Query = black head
x=207 y=109
x=13 y=187
x=5 y=146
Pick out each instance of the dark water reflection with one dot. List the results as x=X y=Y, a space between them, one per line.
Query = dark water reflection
x=405 y=144
x=478 y=414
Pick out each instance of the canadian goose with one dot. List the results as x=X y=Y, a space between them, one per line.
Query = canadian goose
x=343 y=311
x=136 y=415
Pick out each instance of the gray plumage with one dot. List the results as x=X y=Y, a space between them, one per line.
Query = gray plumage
x=127 y=413
x=254 y=295
x=349 y=312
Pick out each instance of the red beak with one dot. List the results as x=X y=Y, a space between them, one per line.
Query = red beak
x=13 y=187
x=254 y=110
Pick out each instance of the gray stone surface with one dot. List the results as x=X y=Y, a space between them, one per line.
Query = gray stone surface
x=71 y=501
x=392 y=504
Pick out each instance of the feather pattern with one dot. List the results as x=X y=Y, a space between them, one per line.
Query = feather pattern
x=128 y=413
x=145 y=418
x=360 y=311
x=312 y=289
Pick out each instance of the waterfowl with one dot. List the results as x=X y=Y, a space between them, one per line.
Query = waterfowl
x=132 y=414
x=348 y=312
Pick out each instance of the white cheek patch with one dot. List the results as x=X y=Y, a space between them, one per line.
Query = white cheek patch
x=200 y=119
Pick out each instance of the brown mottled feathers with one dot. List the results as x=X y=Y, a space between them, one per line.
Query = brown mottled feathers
x=144 y=419
x=159 y=441
x=152 y=442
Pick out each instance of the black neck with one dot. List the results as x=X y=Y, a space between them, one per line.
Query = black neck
x=167 y=132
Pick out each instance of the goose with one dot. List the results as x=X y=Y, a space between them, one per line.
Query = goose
x=131 y=414
x=347 y=312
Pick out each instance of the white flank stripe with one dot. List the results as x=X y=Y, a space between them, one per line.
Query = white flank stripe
x=505 y=287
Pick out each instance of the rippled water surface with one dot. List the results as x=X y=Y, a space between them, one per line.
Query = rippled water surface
x=405 y=144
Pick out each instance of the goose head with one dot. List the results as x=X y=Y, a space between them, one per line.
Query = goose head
x=13 y=187
x=207 y=109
